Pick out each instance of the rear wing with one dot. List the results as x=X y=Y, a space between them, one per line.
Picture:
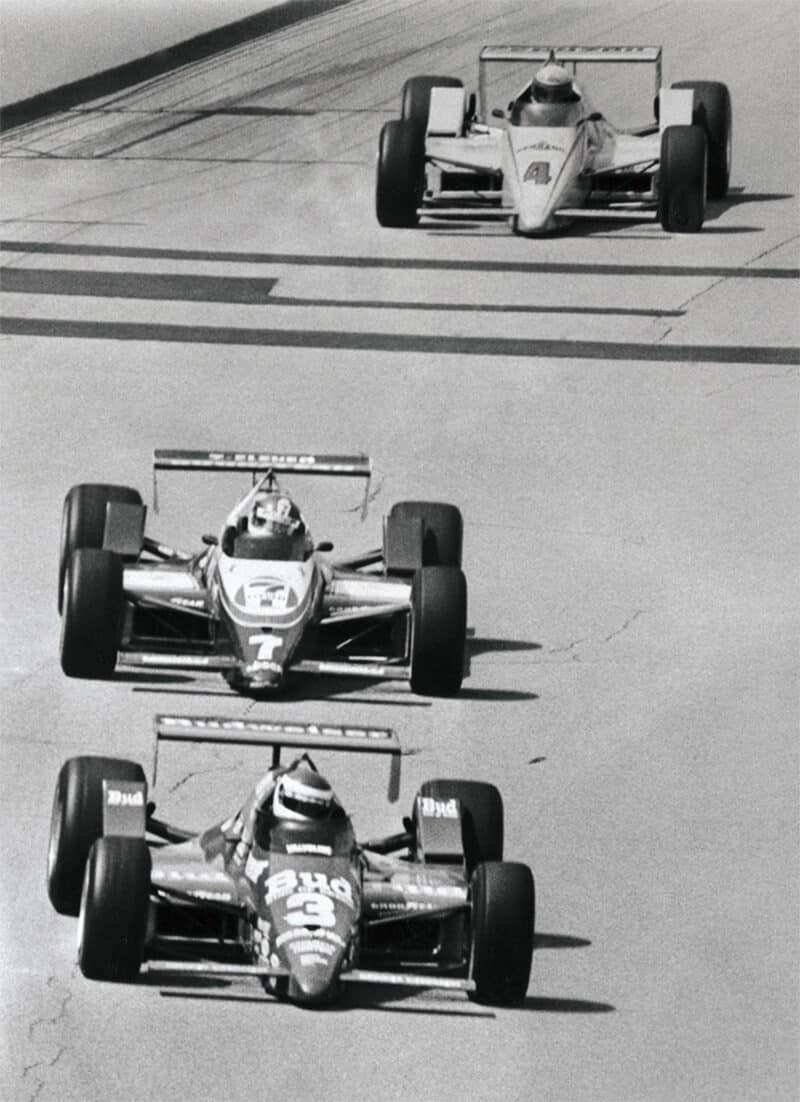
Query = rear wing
x=261 y=462
x=567 y=56
x=255 y=732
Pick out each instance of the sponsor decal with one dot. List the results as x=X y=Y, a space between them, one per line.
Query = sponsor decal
x=188 y=602
x=542 y=145
x=260 y=667
x=307 y=959
x=184 y=659
x=265 y=595
x=200 y=876
x=439 y=891
x=307 y=885
x=224 y=897
x=438 y=809
x=116 y=798
x=211 y=723
x=538 y=172
x=328 y=937
x=260 y=457
x=309 y=847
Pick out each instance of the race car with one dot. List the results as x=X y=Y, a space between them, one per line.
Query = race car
x=554 y=157
x=281 y=890
x=261 y=599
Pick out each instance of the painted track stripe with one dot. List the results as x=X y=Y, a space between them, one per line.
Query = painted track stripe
x=399 y=342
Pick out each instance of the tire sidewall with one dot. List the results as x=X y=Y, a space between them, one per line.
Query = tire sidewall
x=92 y=613
x=682 y=179
x=112 y=924
x=503 y=919
x=438 y=630
x=76 y=822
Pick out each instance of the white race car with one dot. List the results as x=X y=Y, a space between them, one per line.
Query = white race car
x=552 y=156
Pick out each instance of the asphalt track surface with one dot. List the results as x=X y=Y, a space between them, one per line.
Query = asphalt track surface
x=195 y=263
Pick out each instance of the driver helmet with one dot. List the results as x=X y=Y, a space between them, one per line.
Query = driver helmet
x=302 y=795
x=553 y=84
x=274 y=517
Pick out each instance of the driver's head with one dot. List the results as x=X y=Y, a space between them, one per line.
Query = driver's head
x=552 y=84
x=302 y=795
x=275 y=518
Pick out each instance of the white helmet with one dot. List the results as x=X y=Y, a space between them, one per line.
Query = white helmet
x=553 y=84
x=302 y=794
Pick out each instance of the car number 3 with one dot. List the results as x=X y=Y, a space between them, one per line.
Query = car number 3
x=310 y=909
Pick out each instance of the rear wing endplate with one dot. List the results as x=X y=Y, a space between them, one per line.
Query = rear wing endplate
x=255 y=732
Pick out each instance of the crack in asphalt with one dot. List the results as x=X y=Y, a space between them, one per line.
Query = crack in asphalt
x=570 y=647
x=683 y=306
x=750 y=380
x=218 y=768
x=46 y=1065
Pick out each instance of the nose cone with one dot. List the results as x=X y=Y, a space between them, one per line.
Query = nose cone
x=544 y=165
x=314 y=976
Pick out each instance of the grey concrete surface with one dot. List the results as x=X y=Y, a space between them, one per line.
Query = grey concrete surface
x=630 y=542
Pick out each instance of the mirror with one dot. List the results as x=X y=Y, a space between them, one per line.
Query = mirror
x=209 y=540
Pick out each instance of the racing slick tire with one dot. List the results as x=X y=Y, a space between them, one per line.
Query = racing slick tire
x=90 y=626
x=682 y=179
x=76 y=823
x=443 y=535
x=401 y=173
x=713 y=111
x=112 y=925
x=502 y=931
x=438 y=630
x=83 y=520
x=416 y=95
x=481 y=816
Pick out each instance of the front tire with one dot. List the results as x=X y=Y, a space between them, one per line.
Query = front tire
x=713 y=111
x=401 y=173
x=438 y=630
x=682 y=179
x=76 y=823
x=93 y=602
x=83 y=520
x=114 y=906
x=502 y=930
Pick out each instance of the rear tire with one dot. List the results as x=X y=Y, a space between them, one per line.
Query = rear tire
x=481 y=817
x=90 y=627
x=83 y=520
x=76 y=823
x=114 y=906
x=682 y=179
x=503 y=921
x=713 y=111
x=401 y=173
x=438 y=630
x=416 y=96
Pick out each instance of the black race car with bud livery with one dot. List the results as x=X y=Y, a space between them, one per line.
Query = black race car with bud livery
x=261 y=599
x=281 y=890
